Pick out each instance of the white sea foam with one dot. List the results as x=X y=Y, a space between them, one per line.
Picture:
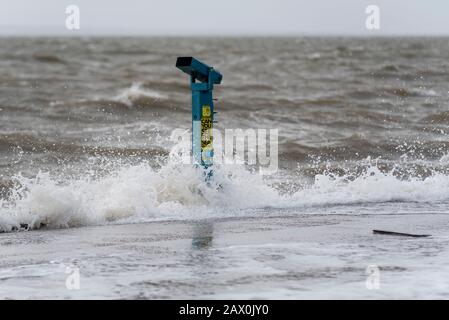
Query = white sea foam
x=425 y=92
x=174 y=191
x=135 y=92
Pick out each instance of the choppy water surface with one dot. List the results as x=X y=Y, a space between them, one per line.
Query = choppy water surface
x=85 y=127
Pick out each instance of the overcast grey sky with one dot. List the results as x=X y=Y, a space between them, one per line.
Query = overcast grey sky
x=225 y=17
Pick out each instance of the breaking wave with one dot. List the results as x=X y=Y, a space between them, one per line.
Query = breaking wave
x=138 y=95
x=142 y=193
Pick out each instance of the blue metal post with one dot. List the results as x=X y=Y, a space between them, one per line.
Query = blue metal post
x=202 y=80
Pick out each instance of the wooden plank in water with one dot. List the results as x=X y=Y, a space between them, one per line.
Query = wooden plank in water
x=391 y=233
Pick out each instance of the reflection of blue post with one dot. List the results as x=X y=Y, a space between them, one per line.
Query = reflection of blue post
x=202 y=83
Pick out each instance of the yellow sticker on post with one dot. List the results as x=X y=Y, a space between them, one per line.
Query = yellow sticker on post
x=206 y=128
x=206 y=111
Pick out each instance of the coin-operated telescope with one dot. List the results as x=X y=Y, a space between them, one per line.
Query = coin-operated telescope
x=202 y=81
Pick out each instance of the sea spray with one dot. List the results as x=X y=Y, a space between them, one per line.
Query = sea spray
x=138 y=193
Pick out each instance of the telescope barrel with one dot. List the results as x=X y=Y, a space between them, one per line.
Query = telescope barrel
x=198 y=70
